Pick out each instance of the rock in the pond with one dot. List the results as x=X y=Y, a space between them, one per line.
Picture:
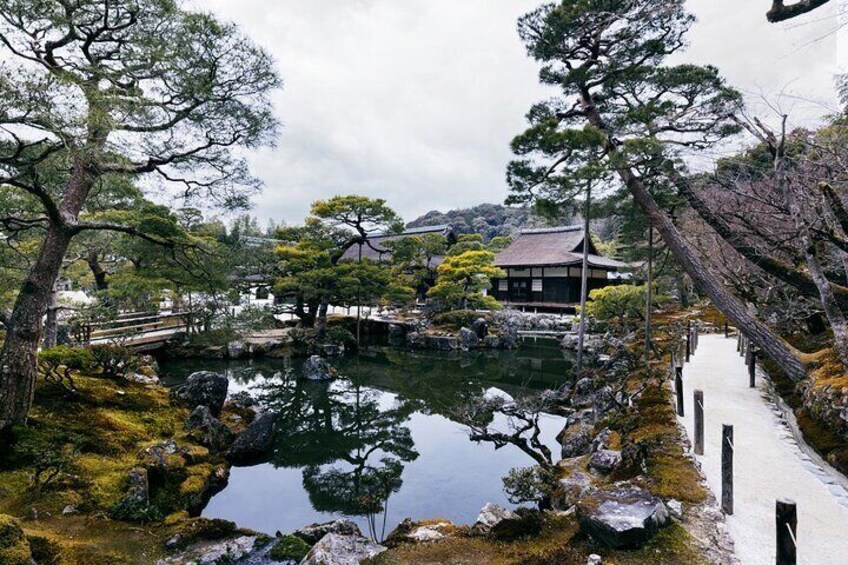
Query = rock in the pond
x=396 y=331
x=480 y=327
x=332 y=349
x=490 y=516
x=492 y=341
x=255 y=441
x=335 y=549
x=343 y=527
x=509 y=338
x=594 y=559
x=605 y=461
x=569 y=491
x=441 y=342
x=576 y=440
x=468 y=338
x=238 y=350
x=243 y=404
x=203 y=388
x=625 y=517
x=208 y=430
x=316 y=368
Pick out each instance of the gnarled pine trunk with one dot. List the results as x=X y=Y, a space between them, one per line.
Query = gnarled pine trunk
x=18 y=360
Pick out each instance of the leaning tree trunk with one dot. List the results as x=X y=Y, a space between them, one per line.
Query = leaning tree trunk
x=321 y=320
x=761 y=335
x=18 y=359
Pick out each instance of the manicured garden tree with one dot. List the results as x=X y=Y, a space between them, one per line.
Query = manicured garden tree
x=101 y=91
x=462 y=280
x=622 y=106
x=311 y=270
x=413 y=260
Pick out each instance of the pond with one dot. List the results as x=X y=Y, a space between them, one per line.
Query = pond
x=380 y=443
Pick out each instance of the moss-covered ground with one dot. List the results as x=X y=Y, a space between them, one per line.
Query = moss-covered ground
x=77 y=451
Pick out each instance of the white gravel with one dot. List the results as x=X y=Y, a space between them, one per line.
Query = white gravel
x=768 y=464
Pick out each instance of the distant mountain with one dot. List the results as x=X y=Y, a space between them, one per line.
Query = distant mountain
x=489 y=220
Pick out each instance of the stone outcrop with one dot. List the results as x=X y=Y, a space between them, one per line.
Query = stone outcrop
x=576 y=440
x=203 y=388
x=316 y=368
x=625 y=517
x=255 y=441
x=468 y=339
x=605 y=461
x=208 y=430
x=569 y=491
x=335 y=549
x=313 y=533
x=490 y=516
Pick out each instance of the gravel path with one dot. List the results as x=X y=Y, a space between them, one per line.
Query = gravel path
x=768 y=463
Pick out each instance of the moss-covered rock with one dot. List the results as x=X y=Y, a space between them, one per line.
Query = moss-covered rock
x=14 y=546
x=289 y=547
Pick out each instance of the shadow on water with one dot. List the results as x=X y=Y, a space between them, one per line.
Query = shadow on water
x=380 y=443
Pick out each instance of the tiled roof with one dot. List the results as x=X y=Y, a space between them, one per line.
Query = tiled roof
x=552 y=247
x=376 y=249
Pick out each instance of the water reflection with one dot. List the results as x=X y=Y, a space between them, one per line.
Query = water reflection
x=382 y=442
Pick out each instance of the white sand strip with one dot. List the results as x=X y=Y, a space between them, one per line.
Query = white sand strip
x=768 y=464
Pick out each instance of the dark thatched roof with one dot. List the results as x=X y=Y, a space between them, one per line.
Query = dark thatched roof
x=553 y=247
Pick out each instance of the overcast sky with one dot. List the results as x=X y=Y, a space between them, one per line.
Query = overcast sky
x=416 y=101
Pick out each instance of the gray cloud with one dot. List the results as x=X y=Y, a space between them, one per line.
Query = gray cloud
x=416 y=101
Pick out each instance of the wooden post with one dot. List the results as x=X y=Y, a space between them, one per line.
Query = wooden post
x=726 y=330
x=699 y=422
x=752 y=368
x=727 y=469
x=786 y=519
x=678 y=387
x=688 y=343
x=739 y=342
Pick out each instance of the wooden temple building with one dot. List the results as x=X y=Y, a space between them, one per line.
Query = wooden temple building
x=543 y=269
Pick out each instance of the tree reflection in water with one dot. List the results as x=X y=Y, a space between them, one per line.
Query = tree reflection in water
x=350 y=441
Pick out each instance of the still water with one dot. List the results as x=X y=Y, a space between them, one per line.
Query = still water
x=381 y=443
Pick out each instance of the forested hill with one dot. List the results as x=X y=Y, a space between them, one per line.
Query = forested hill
x=489 y=220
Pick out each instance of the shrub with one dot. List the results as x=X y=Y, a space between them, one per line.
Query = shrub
x=528 y=484
x=135 y=510
x=457 y=318
x=48 y=462
x=58 y=363
x=616 y=302
x=338 y=335
x=114 y=360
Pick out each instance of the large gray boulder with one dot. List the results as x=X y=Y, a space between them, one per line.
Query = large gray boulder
x=343 y=527
x=208 y=430
x=238 y=350
x=203 y=388
x=316 y=368
x=334 y=549
x=625 y=517
x=468 y=338
x=490 y=516
x=576 y=440
x=255 y=441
